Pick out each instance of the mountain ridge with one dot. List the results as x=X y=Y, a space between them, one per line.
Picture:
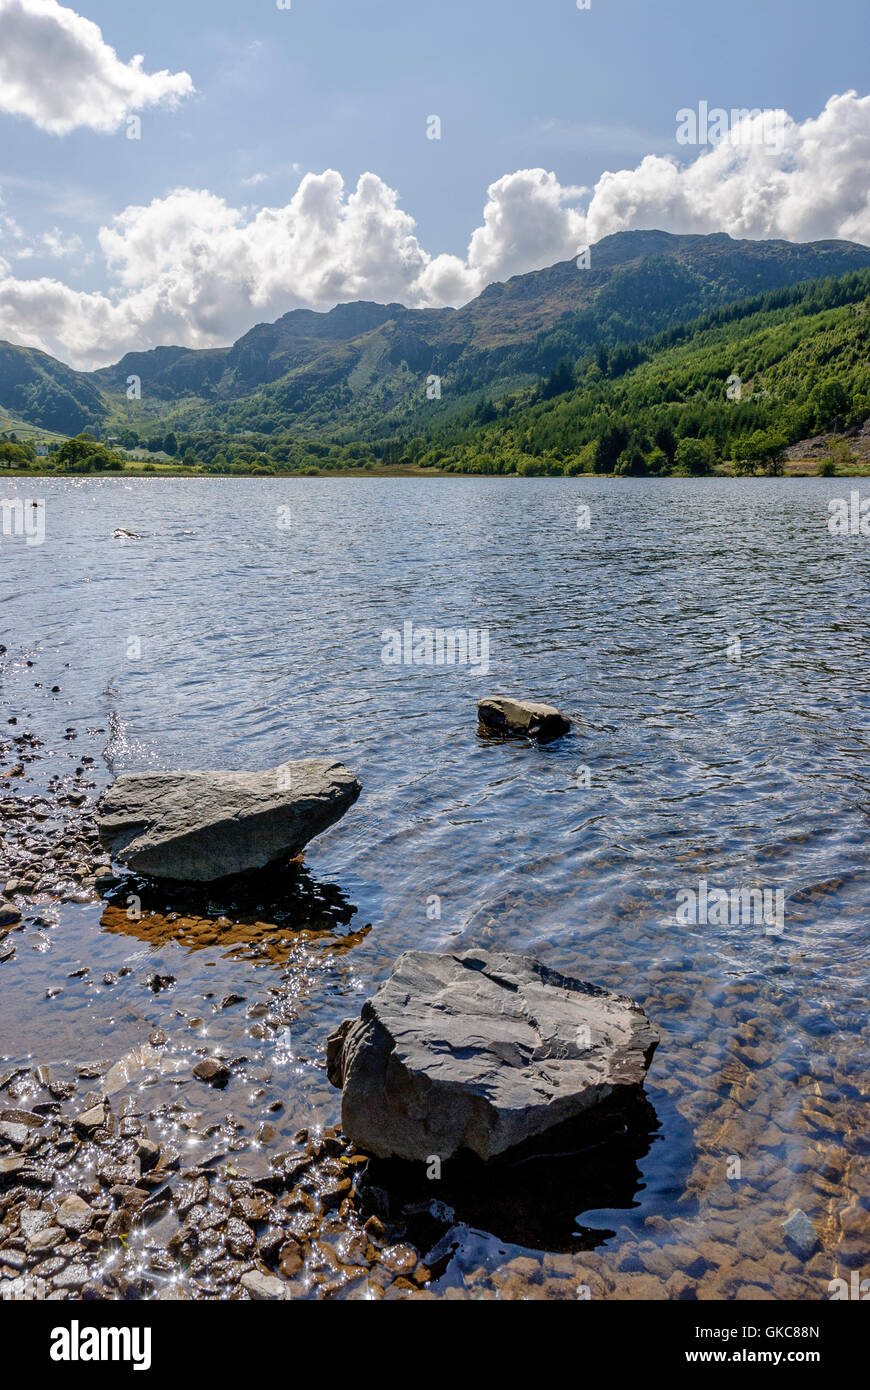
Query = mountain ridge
x=360 y=368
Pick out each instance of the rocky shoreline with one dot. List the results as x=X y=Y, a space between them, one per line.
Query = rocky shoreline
x=92 y=1208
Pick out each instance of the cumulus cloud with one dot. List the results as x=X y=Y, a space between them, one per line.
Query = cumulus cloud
x=57 y=71
x=190 y=268
x=808 y=183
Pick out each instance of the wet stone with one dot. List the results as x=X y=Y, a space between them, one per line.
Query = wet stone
x=73 y=1276
x=213 y=1071
x=801 y=1234
x=291 y=1259
x=263 y=1287
x=91 y=1119
x=13 y=1134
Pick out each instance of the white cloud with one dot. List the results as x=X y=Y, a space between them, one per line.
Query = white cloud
x=57 y=71
x=189 y=268
x=811 y=183
x=59 y=246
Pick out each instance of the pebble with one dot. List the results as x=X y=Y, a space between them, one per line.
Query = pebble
x=215 y=1072
x=73 y=1277
x=801 y=1233
x=262 y=1286
x=92 y=1119
x=13 y=1134
x=74 y=1215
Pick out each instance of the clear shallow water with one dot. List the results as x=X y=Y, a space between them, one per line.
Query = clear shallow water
x=261 y=643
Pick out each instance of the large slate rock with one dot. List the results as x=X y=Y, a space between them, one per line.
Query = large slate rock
x=522 y=718
x=200 y=826
x=481 y=1051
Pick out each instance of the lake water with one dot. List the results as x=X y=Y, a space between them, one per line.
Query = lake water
x=710 y=640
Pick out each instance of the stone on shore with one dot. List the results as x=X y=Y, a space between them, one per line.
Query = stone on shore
x=480 y=1051
x=522 y=718
x=263 y=1287
x=201 y=826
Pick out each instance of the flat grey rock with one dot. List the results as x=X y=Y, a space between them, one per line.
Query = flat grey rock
x=523 y=718
x=481 y=1051
x=201 y=826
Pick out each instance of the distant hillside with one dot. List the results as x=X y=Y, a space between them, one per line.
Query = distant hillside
x=45 y=392
x=359 y=372
x=742 y=383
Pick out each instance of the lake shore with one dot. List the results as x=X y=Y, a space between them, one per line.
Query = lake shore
x=795 y=468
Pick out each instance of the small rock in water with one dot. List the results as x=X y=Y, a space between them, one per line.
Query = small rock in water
x=92 y=1119
x=523 y=718
x=9 y=916
x=157 y=983
x=13 y=1134
x=801 y=1233
x=481 y=1051
x=216 y=1073
x=119 y=534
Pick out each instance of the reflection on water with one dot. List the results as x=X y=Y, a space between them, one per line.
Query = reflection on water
x=265 y=917
x=684 y=764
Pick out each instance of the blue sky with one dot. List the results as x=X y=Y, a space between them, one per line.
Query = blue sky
x=345 y=85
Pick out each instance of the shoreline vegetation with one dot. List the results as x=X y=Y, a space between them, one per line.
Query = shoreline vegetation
x=794 y=468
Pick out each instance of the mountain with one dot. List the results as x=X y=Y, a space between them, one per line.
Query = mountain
x=745 y=384
x=42 y=391
x=360 y=370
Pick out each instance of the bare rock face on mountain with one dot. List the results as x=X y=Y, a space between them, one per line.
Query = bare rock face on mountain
x=481 y=1051
x=201 y=826
x=524 y=718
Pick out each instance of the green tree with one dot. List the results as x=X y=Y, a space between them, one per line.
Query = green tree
x=692 y=456
x=83 y=454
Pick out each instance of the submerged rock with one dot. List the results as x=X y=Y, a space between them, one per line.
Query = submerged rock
x=200 y=826
x=524 y=718
x=801 y=1233
x=481 y=1051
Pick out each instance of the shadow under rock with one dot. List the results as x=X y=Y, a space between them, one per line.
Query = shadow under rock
x=535 y=1195
x=264 y=915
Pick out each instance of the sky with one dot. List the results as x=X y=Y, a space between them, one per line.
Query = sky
x=257 y=158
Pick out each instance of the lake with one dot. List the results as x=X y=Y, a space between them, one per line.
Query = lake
x=709 y=640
